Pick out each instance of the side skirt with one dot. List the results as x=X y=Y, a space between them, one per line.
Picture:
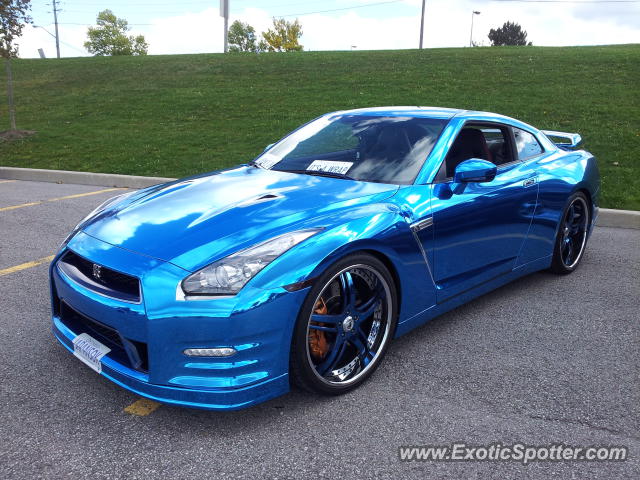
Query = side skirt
x=451 y=303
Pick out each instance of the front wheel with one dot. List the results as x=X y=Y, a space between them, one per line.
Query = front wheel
x=345 y=326
x=572 y=234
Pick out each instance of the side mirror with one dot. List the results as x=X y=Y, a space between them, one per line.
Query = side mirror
x=475 y=170
x=268 y=147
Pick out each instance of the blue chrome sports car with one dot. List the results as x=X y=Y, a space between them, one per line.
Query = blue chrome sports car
x=218 y=290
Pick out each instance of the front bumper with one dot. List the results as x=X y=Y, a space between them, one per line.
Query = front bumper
x=256 y=322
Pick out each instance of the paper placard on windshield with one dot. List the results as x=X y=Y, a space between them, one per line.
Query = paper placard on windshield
x=330 y=166
x=268 y=160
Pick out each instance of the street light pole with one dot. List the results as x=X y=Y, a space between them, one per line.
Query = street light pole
x=224 y=12
x=40 y=50
x=38 y=26
x=474 y=13
x=422 y=23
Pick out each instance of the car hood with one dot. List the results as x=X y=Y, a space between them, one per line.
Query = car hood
x=194 y=221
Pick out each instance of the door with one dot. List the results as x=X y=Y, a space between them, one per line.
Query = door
x=479 y=228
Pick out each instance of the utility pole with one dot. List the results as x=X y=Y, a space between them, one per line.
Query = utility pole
x=422 y=23
x=55 y=20
x=224 y=12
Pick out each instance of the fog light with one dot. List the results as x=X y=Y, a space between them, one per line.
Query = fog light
x=210 y=352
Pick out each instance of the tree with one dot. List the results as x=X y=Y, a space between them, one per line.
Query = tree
x=110 y=37
x=284 y=36
x=509 y=34
x=13 y=17
x=242 y=38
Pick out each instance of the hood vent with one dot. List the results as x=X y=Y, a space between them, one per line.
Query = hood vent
x=261 y=199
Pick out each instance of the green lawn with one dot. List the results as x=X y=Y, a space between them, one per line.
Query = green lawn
x=182 y=114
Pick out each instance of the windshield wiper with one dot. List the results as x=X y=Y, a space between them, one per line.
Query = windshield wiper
x=319 y=173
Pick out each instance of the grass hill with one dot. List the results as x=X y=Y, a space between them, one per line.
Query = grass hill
x=182 y=114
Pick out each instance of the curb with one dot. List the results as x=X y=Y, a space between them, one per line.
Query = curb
x=80 y=178
x=618 y=218
x=606 y=217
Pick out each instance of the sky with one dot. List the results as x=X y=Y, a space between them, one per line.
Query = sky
x=195 y=26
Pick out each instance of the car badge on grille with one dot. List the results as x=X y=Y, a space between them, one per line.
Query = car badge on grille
x=97 y=272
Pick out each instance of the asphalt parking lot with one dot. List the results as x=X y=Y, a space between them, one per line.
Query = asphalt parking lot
x=543 y=360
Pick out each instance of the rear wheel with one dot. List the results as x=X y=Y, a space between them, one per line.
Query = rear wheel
x=572 y=235
x=345 y=326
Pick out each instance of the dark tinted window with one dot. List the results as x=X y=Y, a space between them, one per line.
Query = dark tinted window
x=497 y=144
x=386 y=149
x=526 y=144
x=478 y=141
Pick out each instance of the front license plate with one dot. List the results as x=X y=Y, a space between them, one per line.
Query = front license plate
x=90 y=351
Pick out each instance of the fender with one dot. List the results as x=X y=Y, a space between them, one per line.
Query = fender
x=560 y=175
x=381 y=230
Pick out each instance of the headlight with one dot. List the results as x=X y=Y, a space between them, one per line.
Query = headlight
x=94 y=212
x=228 y=275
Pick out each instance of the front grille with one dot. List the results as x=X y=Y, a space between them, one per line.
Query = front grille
x=101 y=279
x=128 y=352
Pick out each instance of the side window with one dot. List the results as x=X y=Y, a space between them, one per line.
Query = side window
x=526 y=144
x=484 y=141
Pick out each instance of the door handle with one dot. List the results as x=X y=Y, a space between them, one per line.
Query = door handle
x=530 y=181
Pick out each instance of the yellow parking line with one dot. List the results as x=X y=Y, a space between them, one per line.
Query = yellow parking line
x=77 y=195
x=6 y=181
x=4 y=209
x=142 y=407
x=24 y=266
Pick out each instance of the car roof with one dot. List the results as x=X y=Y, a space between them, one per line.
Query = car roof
x=435 y=112
x=399 y=111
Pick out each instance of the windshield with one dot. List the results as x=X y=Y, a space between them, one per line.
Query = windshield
x=371 y=148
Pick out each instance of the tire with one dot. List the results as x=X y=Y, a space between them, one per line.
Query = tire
x=571 y=239
x=345 y=326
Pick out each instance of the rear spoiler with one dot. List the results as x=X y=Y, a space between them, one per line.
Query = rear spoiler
x=566 y=141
